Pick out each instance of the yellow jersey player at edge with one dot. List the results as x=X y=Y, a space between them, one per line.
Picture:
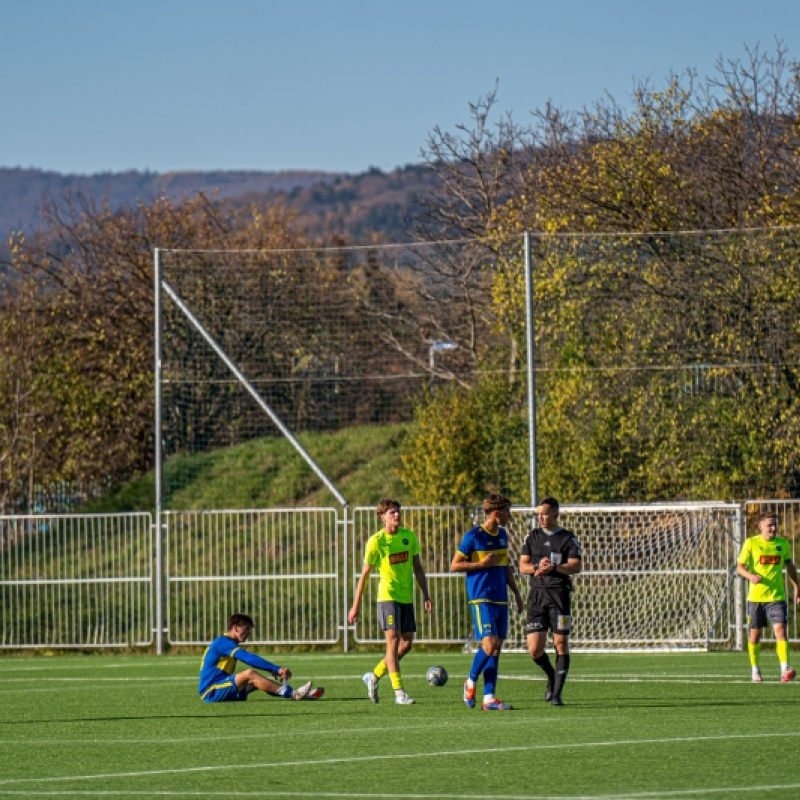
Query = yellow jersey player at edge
x=761 y=562
x=394 y=552
x=483 y=557
x=219 y=682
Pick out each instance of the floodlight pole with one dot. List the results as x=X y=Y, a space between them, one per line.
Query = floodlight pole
x=530 y=342
x=158 y=578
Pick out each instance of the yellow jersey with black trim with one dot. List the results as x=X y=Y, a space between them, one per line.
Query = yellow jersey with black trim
x=392 y=554
x=488 y=585
x=766 y=558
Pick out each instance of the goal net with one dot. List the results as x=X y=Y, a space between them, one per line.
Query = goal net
x=654 y=577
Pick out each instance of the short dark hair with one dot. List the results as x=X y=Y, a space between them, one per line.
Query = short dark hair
x=240 y=619
x=767 y=515
x=386 y=504
x=495 y=502
x=549 y=501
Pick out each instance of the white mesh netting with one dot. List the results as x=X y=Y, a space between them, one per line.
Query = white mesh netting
x=654 y=577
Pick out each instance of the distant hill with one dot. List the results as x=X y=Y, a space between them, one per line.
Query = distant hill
x=356 y=205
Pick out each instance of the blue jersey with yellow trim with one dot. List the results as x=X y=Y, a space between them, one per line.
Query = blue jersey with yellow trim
x=488 y=585
x=219 y=663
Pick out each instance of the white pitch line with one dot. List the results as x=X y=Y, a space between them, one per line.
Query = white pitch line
x=667 y=794
x=305 y=763
x=93 y=681
x=699 y=679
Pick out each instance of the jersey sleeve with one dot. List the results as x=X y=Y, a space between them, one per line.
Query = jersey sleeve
x=467 y=545
x=744 y=554
x=252 y=660
x=525 y=550
x=372 y=555
x=573 y=548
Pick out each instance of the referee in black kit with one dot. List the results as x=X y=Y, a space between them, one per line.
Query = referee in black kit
x=550 y=556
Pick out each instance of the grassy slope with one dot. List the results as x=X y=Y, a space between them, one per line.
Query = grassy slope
x=267 y=473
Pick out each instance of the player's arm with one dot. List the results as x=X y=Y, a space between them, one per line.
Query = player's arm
x=511 y=579
x=573 y=566
x=422 y=580
x=461 y=563
x=526 y=565
x=745 y=573
x=253 y=660
x=791 y=573
x=352 y=615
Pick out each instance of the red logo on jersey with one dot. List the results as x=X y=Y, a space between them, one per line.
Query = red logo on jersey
x=398 y=558
x=769 y=560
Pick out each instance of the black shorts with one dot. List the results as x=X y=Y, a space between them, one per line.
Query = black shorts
x=549 y=610
x=758 y=614
x=397 y=616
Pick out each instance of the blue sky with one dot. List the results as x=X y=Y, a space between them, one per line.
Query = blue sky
x=90 y=86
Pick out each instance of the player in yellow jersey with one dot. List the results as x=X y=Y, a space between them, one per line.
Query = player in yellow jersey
x=394 y=552
x=761 y=562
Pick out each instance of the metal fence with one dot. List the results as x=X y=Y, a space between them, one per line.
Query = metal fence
x=280 y=565
x=76 y=580
x=654 y=576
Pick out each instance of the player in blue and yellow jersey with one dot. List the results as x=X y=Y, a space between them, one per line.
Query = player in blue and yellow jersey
x=761 y=562
x=219 y=681
x=395 y=553
x=483 y=557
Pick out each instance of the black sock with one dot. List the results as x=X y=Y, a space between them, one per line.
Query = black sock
x=543 y=662
x=562 y=668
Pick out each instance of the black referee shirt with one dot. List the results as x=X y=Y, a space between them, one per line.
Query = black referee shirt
x=540 y=544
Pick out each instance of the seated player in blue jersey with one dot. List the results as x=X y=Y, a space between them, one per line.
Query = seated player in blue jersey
x=219 y=681
x=483 y=557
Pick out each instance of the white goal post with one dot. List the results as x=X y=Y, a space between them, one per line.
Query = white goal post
x=655 y=577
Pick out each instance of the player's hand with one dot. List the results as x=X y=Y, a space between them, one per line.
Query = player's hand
x=754 y=579
x=352 y=615
x=284 y=673
x=520 y=604
x=428 y=605
x=490 y=560
x=543 y=567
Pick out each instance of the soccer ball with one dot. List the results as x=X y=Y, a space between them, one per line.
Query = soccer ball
x=437 y=676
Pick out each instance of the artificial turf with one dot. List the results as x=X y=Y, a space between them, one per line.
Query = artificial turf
x=660 y=725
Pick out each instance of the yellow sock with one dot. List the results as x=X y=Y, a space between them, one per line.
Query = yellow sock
x=380 y=670
x=755 y=651
x=397 y=681
x=782 y=649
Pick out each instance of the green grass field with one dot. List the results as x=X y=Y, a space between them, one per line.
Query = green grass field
x=635 y=726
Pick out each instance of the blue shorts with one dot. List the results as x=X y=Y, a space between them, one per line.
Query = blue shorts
x=489 y=619
x=226 y=691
